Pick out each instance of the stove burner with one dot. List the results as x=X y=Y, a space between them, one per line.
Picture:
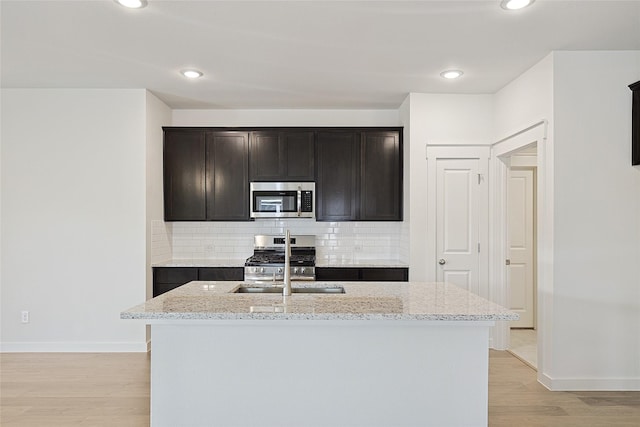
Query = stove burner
x=278 y=259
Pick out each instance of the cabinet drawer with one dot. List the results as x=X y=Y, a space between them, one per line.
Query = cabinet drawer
x=334 y=274
x=364 y=274
x=221 y=273
x=385 y=274
x=170 y=275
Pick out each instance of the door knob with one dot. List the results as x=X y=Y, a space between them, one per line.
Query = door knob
x=442 y=261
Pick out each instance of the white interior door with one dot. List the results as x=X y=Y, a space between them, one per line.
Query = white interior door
x=521 y=223
x=457 y=222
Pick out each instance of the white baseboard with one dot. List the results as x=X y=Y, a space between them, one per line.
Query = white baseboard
x=589 y=384
x=74 y=347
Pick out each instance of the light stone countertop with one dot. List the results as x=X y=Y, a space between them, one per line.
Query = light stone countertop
x=362 y=301
x=376 y=263
x=239 y=262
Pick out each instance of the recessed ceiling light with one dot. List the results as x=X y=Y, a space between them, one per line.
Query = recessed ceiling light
x=451 y=74
x=515 y=4
x=132 y=4
x=191 y=74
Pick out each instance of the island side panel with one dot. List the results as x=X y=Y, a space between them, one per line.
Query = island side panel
x=320 y=373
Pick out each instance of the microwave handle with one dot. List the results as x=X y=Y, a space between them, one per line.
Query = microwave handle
x=299 y=201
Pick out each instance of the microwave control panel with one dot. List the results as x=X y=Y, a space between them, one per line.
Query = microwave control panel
x=307 y=201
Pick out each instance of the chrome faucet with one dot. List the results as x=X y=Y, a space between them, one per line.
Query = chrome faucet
x=286 y=289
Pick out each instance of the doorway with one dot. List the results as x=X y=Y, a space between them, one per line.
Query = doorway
x=501 y=152
x=521 y=252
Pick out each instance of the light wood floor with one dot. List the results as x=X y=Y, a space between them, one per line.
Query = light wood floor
x=524 y=345
x=112 y=389
x=517 y=399
x=74 y=389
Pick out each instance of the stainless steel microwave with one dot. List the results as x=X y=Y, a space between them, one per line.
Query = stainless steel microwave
x=282 y=199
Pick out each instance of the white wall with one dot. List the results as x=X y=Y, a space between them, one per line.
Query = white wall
x=158 y=248
x=405 y=232
x=525 y=101
x=73 y=218
x=597 y=223
x=437 y=119
x=590 y=287
x=286 y=118
x=158 y=114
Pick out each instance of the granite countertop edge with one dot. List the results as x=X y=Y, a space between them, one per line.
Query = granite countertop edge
x=385 y=301
x=323 y=317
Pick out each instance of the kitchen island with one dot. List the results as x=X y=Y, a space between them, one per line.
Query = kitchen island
x=380 y=354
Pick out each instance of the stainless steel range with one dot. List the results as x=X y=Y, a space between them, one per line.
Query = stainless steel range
x=267 y=263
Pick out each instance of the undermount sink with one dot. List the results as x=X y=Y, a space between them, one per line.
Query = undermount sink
x=278 y=290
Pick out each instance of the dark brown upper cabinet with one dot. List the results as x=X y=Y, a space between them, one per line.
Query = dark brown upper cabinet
x=206 y=175
x=337 y=178
x=635 y=124
x=184 y=175
x=381 y=177
x=227 y=172
x=357 y=171
x=359 y=175
x=286 y=155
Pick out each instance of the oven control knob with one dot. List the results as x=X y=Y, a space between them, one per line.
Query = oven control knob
x=303 y=270
x=261 y=269
x=279 y=269
x=295 y=270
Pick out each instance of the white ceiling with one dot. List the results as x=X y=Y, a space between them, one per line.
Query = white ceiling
x=297 y=54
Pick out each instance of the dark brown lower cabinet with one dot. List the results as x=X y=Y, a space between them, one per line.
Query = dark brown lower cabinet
x=362 y=274
x=168 y=278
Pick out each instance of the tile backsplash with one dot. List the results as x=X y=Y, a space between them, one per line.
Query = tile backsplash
x=161 y=241
x=335 y=241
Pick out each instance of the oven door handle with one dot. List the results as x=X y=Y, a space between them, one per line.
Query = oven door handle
x=299 y=201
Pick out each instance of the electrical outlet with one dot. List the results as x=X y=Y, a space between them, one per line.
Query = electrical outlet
x=357 y=248
x=24 y=316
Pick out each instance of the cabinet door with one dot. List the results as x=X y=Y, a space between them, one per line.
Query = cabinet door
x=266 y=151
x=184 y=176
x=337 y=176
x=381 y=165
x=281 y=156
x=299 y=156
x=168 y=278
x=227 y=176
